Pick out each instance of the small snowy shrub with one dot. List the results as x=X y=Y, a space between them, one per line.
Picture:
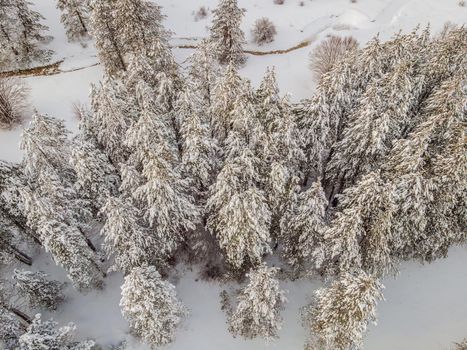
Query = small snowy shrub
x=263 y=31
x=13 y=102
x=279 y=2
x=325 y=55
x=461 y=3
x=301 y=3
x=201 y=13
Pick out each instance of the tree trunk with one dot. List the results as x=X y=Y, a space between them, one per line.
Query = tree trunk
x=19 y=255
x=20 y=314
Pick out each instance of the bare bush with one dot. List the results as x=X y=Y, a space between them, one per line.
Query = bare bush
x=279 y=2
x=201 y=13
x=263 y=31
x=461 y=3
x=13 y=102
x=326 y=54
x=301 y=3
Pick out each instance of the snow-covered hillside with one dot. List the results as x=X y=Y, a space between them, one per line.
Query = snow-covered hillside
x=425 y=306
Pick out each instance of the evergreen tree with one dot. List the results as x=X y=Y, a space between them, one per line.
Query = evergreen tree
x=105 y=33
x=38 y=289
x=52 y=205
x=227 y=89
x=11 y=329
x=30 y=38
x=126 y=238
x=303 y=229
x=382 y=117
x=203 y=72
x=259 y=304
x=360 y=234
x=75 y=18
x=226 y=36
x=9 y=51
x=114 y=111
x=199 y=150
x=164 y=193
x=341 y=312
x=238 y=212
x=45 y=335
x=151 y=306
x=96 y=177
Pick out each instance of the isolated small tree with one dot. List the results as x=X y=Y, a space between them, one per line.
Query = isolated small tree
x=150 y=305
x=328 y=53
x=259 y=305
x=13 y=102
x=303 y=229
x=39 y=289
x=31 y=37
x=125 y=237
x=341 y=312
x=227 y=37
x=264 y=31
x=109 y=49
x=46 y=335
x=75 y=18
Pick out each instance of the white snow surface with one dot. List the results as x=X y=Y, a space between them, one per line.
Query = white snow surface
x=425 y=307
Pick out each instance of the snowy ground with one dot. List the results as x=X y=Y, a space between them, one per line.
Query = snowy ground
x=425 y=307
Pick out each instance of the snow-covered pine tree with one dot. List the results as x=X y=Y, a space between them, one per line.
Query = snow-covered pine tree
x=203 y=72
x=226 y=36
x=320 y=118
x=427 y=169
x=11 y=329
x=341 y=312
x=238 y=212
x=46 y=335
x=38 y=289
x=227 y=89
x=30 y=34
x=360 y=235
x=139 y=24
x=125 y=237
x=8 y=31
x=114 y=111
x=280 y=150
x=150 y=305
x=12 y=211
x=75 y=17
x=96 y=177
x=199 y=149
x=54 y=209
x=109 y=49
x=383 y=115
x=164 y=194
x=303 y=229
x=47 y=151
x=259 y=305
